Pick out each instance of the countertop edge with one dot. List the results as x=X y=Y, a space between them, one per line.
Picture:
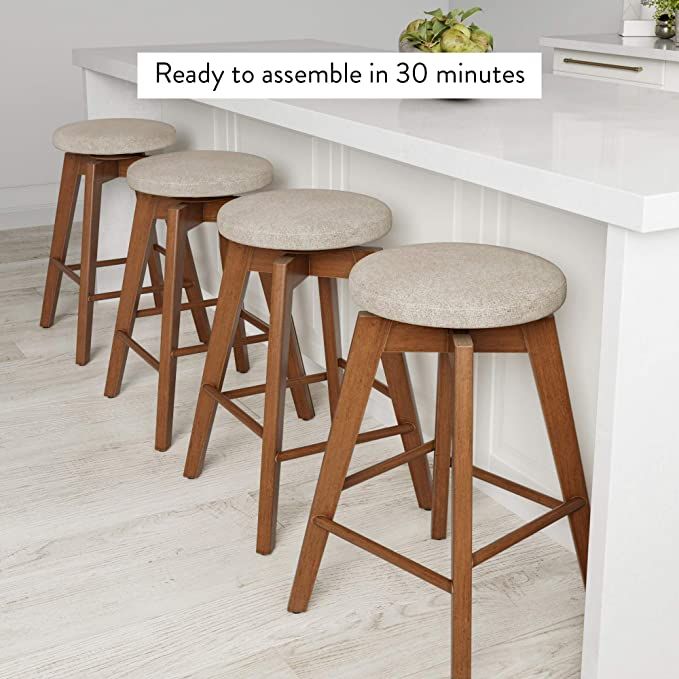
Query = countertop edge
x=613 y=206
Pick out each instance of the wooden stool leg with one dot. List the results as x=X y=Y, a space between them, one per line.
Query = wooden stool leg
x=88 y=263
x=224 y=327
x=369 y=340
x=175 y=257
x=288 y=272
x=327 y=288
x=542 y=342
x=444 y=446
x=401 y=392
x=155 y=269
x=194 y=294
x=462 y=507
x=133 y=278
x=301 y=395
x=240 y=350
x=68 y=195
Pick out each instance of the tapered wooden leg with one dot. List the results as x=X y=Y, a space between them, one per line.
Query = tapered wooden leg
x=68 y=195
x=367 y=345
x=137 y=256
x=327 y=288
x=240 y=350
x=288 y=272
x=155 y=269
x=542 y=342
x=462 y=506
x=88 y=263
x=401 y=392
x=175 y=257
x=301 y=395
x=224 y=327
x=194 y=294
x=444 y=446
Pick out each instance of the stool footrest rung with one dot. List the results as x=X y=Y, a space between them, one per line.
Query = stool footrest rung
x=377 y=385
x=190 y=350
x=528 y=529
x=138 y=349
x=102 y=262
x=387 y=465
x=516 y=488
x=389 y=555
x=67 y=269
x=242 y=392
x=254 y=339
x=364 y=437
x=256 y=321
x=186 y=306
x=224 y=401
x=115 y=294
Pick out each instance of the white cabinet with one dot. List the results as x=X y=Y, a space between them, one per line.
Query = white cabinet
x=645 y=62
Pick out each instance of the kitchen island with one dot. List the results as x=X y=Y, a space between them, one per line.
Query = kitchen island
x=588 y=178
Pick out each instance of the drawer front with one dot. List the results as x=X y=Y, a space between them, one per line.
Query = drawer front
x=610 y=67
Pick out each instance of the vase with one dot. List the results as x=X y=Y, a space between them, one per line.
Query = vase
x=665 y=27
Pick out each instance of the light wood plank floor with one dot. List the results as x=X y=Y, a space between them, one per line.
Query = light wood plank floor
x=114 y=565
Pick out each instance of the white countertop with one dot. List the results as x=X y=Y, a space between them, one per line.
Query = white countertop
x=605 y=151
x=612 y=43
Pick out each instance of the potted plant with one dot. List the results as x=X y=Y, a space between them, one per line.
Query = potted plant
x=666 y=12
x=446 y=32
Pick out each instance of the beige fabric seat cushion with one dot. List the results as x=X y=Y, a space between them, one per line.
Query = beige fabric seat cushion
x=304 y=219
x=114 y=136
x=200 y=174
x=457 y=285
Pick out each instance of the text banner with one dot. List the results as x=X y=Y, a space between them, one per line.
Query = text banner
x=338 y=75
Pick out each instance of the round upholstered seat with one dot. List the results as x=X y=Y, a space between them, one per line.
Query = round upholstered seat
x=304 y=219
x=200 y=174
x=457 y=285
x=114 y=136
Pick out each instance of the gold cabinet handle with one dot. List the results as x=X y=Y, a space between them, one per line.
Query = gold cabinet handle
x=619 y=67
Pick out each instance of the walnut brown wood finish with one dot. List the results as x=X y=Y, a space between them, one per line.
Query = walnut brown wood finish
x=376 y=339
x=180 y=274
x=281 y=272
x=97 y=171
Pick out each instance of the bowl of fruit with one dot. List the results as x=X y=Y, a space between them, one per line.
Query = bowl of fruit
x=441 y=32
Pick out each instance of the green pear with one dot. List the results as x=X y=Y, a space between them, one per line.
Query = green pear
x=413 y=26
x=483 y=39
x=474 y=47
x=461 y=28
x=453 y=41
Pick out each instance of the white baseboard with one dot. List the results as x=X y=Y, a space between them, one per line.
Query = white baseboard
x=24 y=206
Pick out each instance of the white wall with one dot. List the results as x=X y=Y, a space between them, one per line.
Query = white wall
x=519 y=24
x=41 y=90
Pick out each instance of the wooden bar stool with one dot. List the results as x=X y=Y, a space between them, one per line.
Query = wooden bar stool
x=454 y=300
x=286 y=236
x=185 y=189
x=99 y=150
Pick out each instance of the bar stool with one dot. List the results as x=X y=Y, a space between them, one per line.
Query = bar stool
x=99 y=150
x=184 y=188
x=286 y=236
x=453 y=300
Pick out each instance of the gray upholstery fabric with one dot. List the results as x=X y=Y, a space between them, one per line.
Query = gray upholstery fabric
x=200 y=174
x=114 y=136
x=304 y=219
x=457 y=285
